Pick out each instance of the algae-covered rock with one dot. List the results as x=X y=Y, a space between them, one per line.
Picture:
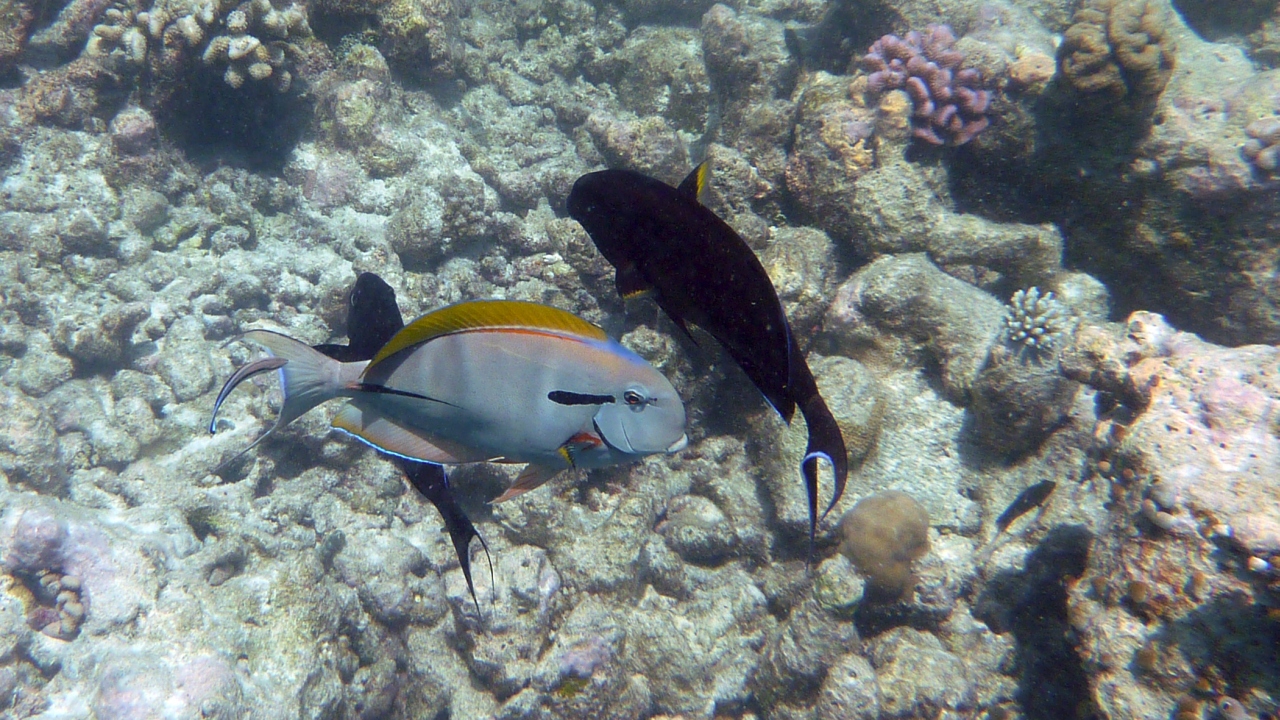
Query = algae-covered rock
x=29 y=444
x=798 y=654
x=850 y=692
x=915 y=671
x=660 y=71
x=908 y=296
x=698 y=530
x=837 y=587
x=419 y=38
x=833 y=148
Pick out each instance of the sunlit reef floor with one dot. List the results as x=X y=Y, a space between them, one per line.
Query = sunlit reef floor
x=146 y=218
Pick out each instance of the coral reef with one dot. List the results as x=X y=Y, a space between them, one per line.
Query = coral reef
x=255 y=45
x=950 y=104
x=147 y=564
x=1118 y=50
x=882 y=535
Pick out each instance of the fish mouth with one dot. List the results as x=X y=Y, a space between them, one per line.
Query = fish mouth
x=679 y=445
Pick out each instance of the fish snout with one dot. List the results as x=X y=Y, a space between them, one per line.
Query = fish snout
x=678 y=445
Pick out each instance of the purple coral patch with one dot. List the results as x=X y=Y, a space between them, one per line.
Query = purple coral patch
x=950 y=104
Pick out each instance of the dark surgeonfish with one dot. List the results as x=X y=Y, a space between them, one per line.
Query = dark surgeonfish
x=662 y=241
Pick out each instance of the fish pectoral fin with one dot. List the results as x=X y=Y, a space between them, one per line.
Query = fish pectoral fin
x=533 y=476
x=580 y=441
x=391 y=437
x=630 y=283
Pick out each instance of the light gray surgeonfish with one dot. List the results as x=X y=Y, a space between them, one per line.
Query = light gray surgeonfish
x=488 y=380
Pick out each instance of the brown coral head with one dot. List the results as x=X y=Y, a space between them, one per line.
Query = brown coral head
x=882 y=535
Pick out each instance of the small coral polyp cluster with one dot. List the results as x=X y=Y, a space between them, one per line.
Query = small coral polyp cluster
x=1263 y=146
x=253 y=45
x=950 y=102
x=1035 y=321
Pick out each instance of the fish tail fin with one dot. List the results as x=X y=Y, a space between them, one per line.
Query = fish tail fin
x=825 y=443
x=307 y=377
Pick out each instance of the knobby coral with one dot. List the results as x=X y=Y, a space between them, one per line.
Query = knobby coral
x=1263 y=145
x=1035 y=321
x=253 y=46
x=1117 y=49
x=950 y=102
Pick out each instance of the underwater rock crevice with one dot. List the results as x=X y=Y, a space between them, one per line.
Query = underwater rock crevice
x=1032 y=604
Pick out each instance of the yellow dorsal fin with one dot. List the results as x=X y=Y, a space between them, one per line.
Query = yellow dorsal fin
x=482 y=314
x=695 y=185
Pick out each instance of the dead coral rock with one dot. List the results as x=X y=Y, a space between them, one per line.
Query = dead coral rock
x=752 y=76
x=1019 y=399
x=1178 y=587
x=29 y=444
x=1118 y=49
x=420 y=38
x=15 y=22
x=833 y=147
x=79 y=95
x=1208 y=439
x=649 y=145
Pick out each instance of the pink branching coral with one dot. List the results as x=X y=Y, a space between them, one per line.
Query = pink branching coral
x=950 y=102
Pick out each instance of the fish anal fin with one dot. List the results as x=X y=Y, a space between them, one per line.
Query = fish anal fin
x=391 y=437
x=696 y=183
x=432 y=482
x=533 y=476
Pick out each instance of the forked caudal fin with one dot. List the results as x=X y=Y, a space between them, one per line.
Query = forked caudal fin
x=825 y=442
x=307 y=377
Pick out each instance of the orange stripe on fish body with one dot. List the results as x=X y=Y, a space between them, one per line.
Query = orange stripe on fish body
x=488 y=315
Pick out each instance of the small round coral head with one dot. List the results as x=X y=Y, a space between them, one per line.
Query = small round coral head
x=882 y=535
x=1231 y=709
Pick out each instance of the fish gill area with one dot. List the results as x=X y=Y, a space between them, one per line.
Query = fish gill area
x=1021 y=241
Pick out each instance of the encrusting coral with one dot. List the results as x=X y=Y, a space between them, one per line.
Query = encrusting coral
x=1118 y=49
x=949 y=100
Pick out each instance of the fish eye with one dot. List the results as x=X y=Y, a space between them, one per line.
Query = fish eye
x=634 y=400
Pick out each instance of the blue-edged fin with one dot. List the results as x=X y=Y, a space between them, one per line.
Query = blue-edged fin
x=696 y=183
x=487 y=315
x=533 y=476
x=391 y=437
